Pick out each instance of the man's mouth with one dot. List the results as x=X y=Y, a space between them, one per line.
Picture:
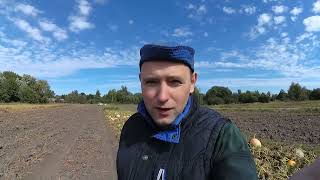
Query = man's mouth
x=163 y=111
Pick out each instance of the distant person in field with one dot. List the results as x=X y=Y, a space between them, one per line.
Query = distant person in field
x=172 y=136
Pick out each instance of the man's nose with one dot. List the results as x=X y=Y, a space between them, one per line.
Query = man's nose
x=163 y=93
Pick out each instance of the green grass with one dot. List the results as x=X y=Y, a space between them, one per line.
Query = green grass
x=23 y=106
x=122 y=107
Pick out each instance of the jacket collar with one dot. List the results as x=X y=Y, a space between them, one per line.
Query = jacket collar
x=171 y=134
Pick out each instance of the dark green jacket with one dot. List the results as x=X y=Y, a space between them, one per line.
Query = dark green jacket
x=210 y=147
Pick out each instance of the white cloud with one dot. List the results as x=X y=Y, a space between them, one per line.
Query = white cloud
x=182 y=32
x=264 y=19
x=261 y=30
x=284 y=34
x=27 y=9
x=303 y=37
x=60 y=34
x=279 y=19
x=190 y=6
x=296 y=11
x=84 y=7
x=57 y=32
x=47 y=26
x=80 y=21
x=198 y=9
x=316 y=7
x=202 y=9
x=290 y=59
x=33 y=32
x=17 y=43
x=248 y=9
x=228 y=10
x=255 y=31
x=268 y=1
x=279 y=9
x=52 y=61
x=312 y=23
x=196 y=12
x=293 y=18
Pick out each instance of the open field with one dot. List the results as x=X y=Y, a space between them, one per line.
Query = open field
x=11 y=107
x=282 y=127
x=65 y=142
x=73 y=141
x=303 y=106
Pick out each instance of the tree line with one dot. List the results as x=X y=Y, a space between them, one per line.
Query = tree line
x=27 y=89
x=121 y=96
x=223 y=95
x=215 y=95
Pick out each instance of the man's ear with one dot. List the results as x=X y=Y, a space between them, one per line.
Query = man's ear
x=194 y=78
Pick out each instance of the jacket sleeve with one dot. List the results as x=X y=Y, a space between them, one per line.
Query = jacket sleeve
x=232 y=158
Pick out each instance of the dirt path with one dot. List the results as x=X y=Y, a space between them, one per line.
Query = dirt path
x=70 y=142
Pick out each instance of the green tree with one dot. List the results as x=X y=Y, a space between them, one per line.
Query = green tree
x=11 y=86
x=197 y=94
x=264 y=98
x=29 y=80
x=4 y=97
x=97 y=97
x=91 y=99
x=137 y=98
x=42 y=88
x=297 y=93
x=72 y=97
x=249 y=97
x=82 y=98
x=218 y=95
x=111 y=96
x=282 y=96
x=315 y=94
x=123 y=95
x=27 y=95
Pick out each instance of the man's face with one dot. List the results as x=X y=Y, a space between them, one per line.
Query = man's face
x=165 y=89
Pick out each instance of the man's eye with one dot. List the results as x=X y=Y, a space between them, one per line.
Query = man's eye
x=150 y=82
x=176 y=82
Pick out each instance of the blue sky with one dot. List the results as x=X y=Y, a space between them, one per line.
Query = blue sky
x=94 y=44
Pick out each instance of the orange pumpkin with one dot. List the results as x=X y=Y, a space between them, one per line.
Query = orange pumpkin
x=255 y=143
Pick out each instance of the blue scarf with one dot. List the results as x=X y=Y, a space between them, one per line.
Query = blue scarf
x=171 y=135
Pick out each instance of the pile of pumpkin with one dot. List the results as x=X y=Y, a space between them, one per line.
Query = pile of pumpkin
x=116 y=119
x=278 y=161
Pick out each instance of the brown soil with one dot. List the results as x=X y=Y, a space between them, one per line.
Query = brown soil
x=70 y=142
x=284 y=126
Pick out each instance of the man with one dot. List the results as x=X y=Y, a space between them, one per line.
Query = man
x=171 y=136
